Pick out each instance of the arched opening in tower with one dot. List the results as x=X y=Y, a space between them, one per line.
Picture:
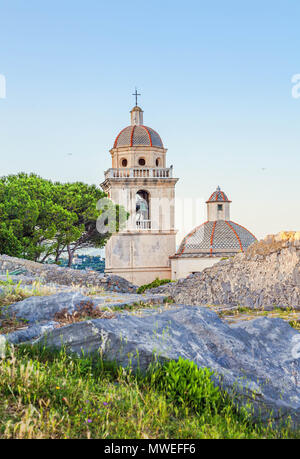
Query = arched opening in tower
x=142 y=210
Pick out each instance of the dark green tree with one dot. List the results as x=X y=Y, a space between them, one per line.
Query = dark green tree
x=39 y=218
x=9 y=244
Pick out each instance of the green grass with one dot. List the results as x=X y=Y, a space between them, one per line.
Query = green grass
x=287 y=314
x=295 y=324
x=46 y=394
x=154 y=284
x=136 y=306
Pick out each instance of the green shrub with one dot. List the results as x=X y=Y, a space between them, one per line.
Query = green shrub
x=186 y=384
x=154 y=284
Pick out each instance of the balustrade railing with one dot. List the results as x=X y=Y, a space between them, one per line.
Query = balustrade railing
x=139 y=172
x=143 y=224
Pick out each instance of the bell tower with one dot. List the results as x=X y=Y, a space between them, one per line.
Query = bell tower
x=140 y=181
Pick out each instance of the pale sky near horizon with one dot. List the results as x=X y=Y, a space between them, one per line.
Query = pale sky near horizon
x=215 y=79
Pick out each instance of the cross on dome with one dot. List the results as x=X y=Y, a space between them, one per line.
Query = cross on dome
x=136 y=96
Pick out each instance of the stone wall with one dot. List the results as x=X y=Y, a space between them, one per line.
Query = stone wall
x=266 y=275
x=65 y=276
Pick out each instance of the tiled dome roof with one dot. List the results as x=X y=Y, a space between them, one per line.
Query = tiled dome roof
x=134 y=136
x=218 y=196
x=216 y=238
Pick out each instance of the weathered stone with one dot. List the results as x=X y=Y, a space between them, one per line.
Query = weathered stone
x=255 y=280
x=50 y=273
x=29 y=333
x=40 y=308
x=256 y=360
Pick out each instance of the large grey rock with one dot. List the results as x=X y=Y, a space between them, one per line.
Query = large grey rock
x=40 y=308
x=29 y=333
x=257 y=360
x=25 y=335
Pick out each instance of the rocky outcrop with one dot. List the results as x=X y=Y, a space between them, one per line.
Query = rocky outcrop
x=267 y=275
x=43 y=308
x=36 y=309
x=50 y=273
x=256 y=361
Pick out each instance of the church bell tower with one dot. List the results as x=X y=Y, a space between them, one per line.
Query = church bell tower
x=140 y=181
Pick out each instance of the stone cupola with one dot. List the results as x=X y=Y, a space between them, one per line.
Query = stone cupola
x=137 y=118
x=218 y=206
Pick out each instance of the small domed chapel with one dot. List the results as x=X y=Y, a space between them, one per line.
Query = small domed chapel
x=141 y=181
x=217 y=238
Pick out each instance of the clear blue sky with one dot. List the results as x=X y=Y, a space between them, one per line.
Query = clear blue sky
x=215 y=79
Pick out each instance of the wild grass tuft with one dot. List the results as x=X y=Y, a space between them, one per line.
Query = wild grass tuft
x=14 y=292
x=156 y=283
